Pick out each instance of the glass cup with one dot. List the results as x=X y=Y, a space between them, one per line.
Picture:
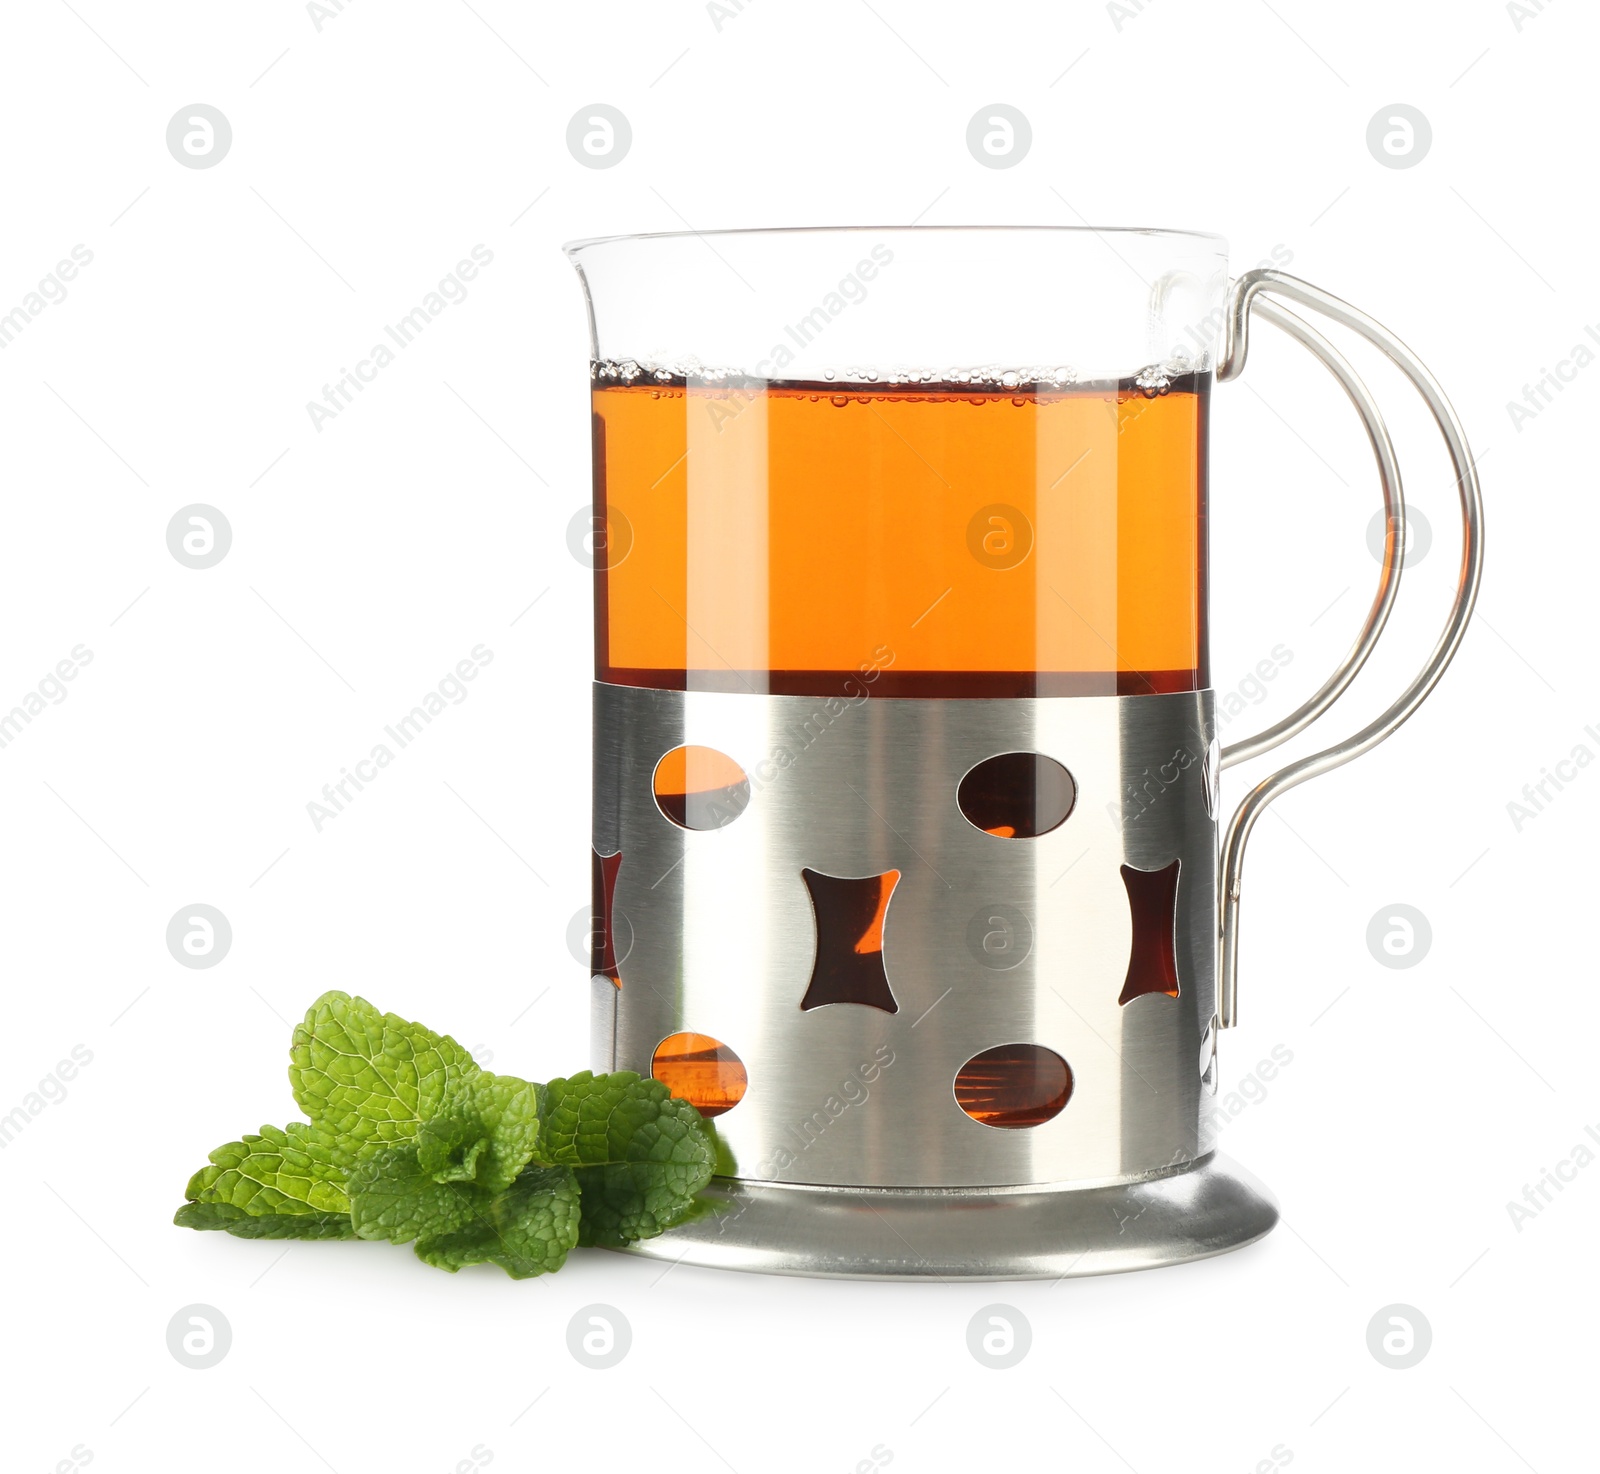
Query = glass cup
x=906 y=834
x=882 y=463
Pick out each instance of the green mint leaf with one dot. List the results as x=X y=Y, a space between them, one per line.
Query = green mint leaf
x=393 y=1197
x=640 y=1155
x=527 y=1229
x=296 y=1170
x=485 y=1136
x=408 y=1140
x=243 y=1224
x=449 y=1147
x=371 y=1077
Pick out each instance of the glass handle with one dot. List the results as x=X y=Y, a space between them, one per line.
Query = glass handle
x=1246 y=296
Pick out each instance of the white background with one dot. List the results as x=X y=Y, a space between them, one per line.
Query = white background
x=368 y=157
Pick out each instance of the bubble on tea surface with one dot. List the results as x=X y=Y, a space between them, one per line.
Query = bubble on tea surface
x=983 y=380
x=956 y=376
x=1154 y=380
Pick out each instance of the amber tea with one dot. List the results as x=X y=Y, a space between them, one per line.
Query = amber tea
x=995 y=537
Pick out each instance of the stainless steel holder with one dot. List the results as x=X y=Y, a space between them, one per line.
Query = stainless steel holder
x=715 y=932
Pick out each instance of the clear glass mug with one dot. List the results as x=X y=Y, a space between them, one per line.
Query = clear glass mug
x=900 y=596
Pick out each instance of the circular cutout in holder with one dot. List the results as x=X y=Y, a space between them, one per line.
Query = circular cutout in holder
x=1014 y=1085
x=700 y=788
x=700 y=1070
x=1017 y=795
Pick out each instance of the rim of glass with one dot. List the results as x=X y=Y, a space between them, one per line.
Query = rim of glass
x=571 y=248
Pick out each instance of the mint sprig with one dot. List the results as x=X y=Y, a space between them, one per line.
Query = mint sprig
x=640 y=1156
x=409 y=1141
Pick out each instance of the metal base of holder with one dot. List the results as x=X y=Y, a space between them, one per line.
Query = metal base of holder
x=1207 y=1208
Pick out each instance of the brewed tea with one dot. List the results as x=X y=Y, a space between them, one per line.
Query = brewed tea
x=986 y=538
